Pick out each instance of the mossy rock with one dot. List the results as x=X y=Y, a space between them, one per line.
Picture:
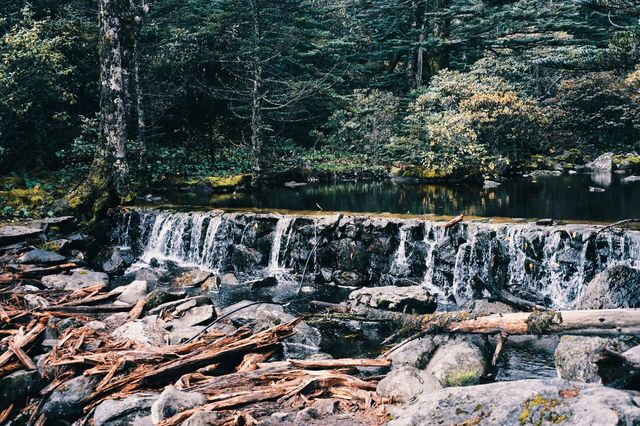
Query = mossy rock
x=424 y=173
x=33 y=200
x=629 y=163
x=226 y=183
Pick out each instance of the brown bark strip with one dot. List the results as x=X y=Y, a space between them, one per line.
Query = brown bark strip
x=339 y=363
x=23 y=341
x=454 y=221
x=21 y=355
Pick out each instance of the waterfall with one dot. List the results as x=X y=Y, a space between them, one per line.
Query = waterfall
x=188 y=239
x=282 y=226
x=547 y=264
x=401 y=253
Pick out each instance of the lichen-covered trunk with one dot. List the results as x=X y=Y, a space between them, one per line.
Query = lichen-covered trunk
x=108 y=180
x=256 y=101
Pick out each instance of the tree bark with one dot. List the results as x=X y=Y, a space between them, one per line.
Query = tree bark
x=609 y=322
x=421 y=49
x=141 y=10
x=256 y=101
x=108 y=180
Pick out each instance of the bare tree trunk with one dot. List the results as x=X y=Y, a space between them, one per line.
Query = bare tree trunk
x=141 y=9
x=421 y=50
x=256 y=101
x=108 y=180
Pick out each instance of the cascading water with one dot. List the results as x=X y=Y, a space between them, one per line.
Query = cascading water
x=401 y=253
x=188 y=239
x=284 y=224
x=552 y=264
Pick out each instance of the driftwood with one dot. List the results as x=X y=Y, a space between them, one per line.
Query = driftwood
x=454 y=221
x=611 y=322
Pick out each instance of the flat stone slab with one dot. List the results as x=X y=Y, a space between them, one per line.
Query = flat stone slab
x=539 y=401
x=15 y=234
x=413 y=299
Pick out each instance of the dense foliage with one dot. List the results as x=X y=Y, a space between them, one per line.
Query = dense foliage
x=455 y=87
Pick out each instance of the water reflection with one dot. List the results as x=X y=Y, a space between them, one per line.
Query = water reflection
x=559 y=197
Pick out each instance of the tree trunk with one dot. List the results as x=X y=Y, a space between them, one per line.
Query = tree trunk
x=439 y=58
x=108 y=180
x=140 y=111
x=421 y=50
x=256 y=99
x=606 y=322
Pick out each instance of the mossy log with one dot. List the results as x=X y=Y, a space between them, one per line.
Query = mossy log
x=583 y=322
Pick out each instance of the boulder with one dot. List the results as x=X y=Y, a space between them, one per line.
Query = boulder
x=602 y=163
x=17 y=234
x=133 y=292
x=350 y=255
x=416 y=353
x=195 y=316
x=173 y=401
x=244 y=258
x=191 y=278
x=66 y=401
x=414 y=299
x=114 y=260
x=229 y=279
x=406 y=383
x=61 y=223
x=633 y=354
x=41 y=257
x=262 y=282
x=574 y=353
x=349 y=278
x=305 y=342
x=18 y=386
x=133 y=410
x=75 y=280
x=458 y=363
x=489 y=184
x=537 y=401
x=615 y=287
x=146 y=331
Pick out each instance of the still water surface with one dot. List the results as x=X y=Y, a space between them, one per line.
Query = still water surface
x=567 y=197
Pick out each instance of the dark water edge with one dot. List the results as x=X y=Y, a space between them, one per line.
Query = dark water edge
x=580 y=197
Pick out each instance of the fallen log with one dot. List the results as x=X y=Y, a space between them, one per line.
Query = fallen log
x=339 y=363
x=610 y=322
x=454 y=221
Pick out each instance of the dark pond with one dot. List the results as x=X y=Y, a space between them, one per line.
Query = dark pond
x=567 y=197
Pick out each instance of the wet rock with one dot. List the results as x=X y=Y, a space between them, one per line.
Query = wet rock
x=406 y=383
x=59 y=223
x=458 y=363
x=180 y=304
x=66 y=401
x=77 y=279
x=615 y=287
x=191 y=278
x=596 y=189
x=173 y=401
x=158 y=298
x=602 y=163
x=489 y=184
x=350 y=255
x=133 y=292
x=41 y=257
x=147 y=331
x=545 y=222
x=17 y=234
x=349 y=278
x=18 y=386
x=114 y=260
x=133 y=410
x=414 y=299
x=152 y=276
x=244 y=258
x=325 y=275
x=630 y=179
x=574 y=353
x=262 y=282
x=541 y=401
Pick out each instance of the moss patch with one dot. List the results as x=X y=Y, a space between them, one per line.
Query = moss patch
x=228 y=182
x=462 y=378
x=539 y=410
x=25 y=202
